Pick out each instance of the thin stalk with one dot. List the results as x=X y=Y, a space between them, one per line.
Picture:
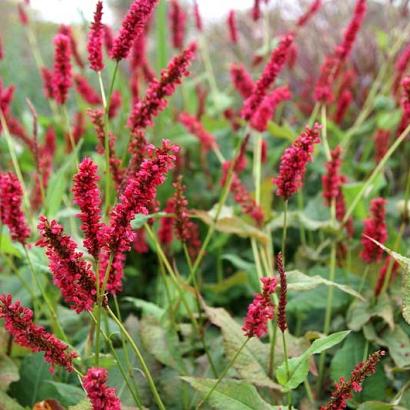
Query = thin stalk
x=102 y=91
x=285 y=353
x=134 y=394
x=324 y=132
x=229 y=365
x=208 y=66
x=68 y=127
x=140 y=358
x=285 y=228
x=364 y=278
x=272 y=349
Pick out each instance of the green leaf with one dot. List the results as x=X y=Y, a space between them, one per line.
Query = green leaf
x=58 y=183
x=230 y=394
x=148 y=308
x=299 y=366
x=251 y=363
x=398 y=344
x=405 y=264
x=7 y=403
x=389 y=119
x=298 y=281
x=9 y=372
x=84 y=405
x=66 y=394
x=7 y=246
x=140 y=219
x=377 y=405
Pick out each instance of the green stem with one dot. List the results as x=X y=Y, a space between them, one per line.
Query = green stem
x=285 y=353
x=140 y=358
x=230 y=364
x=324 y=132
x=364 y=278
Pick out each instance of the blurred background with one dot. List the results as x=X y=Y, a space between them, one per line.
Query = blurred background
x=255 y=38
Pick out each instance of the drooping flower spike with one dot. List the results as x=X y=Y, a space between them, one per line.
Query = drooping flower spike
x=18 y=321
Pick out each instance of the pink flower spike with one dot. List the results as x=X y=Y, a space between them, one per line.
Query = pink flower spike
x=101 y=396
x=95 y=40
x=132 y=27
x=62 y=76
x=241 y=80
x=87 y=93
x=232 y=27
x=177 y=20
x=310 y=12
x=18 y=321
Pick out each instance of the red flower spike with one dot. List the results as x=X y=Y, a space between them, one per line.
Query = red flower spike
x=62 y=76
x=193 y=126
x=241 y=80
x=48 y=83
x=332 y=180
x=261 y=310
x=310 y=12
x=389 y=264
x=88 y=94
x=268 y=77
x=154 y=102
x=256 y=10
x=100 y=395
x=95 y=40
x=343 y=103
x=232 y=27
x=23 y=17
x=18 y=321
x=381 y=144
x=11 y=215
x=132 y=27
x=87 y=196
x=197 y=16
x=71 y=273
x=108 y=39
x=267 y=108
x=374 y=227
x=115 y=104
x=67 y=30
x=344 y=389
x=165 y=231
x=294 y=160
x=282 y=322
x=177 y=21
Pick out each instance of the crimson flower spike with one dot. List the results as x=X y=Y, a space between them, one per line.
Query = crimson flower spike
x=256 y=10
x=71 y=273
x=268 y=77
x=18 y=321
x=48 y=83
x=132 y=27
x=332 y=180
x=101 y=396
x=155 y=101
x=87 y=196
x=344 y=389
x=88 y=94
x=294 y=160
x=62 y=75
x=310 y=12
x=261 y=310
x=232 y=27
x=374 y=227
x=282 y=322
x=11 y=215
x=241 y=80
x=95 y=40
x=197 y=16
x=177 y=20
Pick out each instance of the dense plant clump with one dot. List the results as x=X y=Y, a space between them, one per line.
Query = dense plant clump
x=199 y=214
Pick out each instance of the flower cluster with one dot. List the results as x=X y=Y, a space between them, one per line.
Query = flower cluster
x=62 y=75
x=233 y=29
x=344 y=389
x=132 y=27
x=95 y=40
x=374 y=227
x=83 y=88
x=267 y=109
x=261 y=310
x=101 y=396
x=310 y=12
x=71 y=273
x=332 y=180
x=177 y=19
x=268 y=77
x=18 y=321
x=241 y=80
x=154 y=101
x=136 y=198
x=294 y=160
x=206 y=139
x=186 y=230
x=282 y=322
x=11 y=215
x=87 y=197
